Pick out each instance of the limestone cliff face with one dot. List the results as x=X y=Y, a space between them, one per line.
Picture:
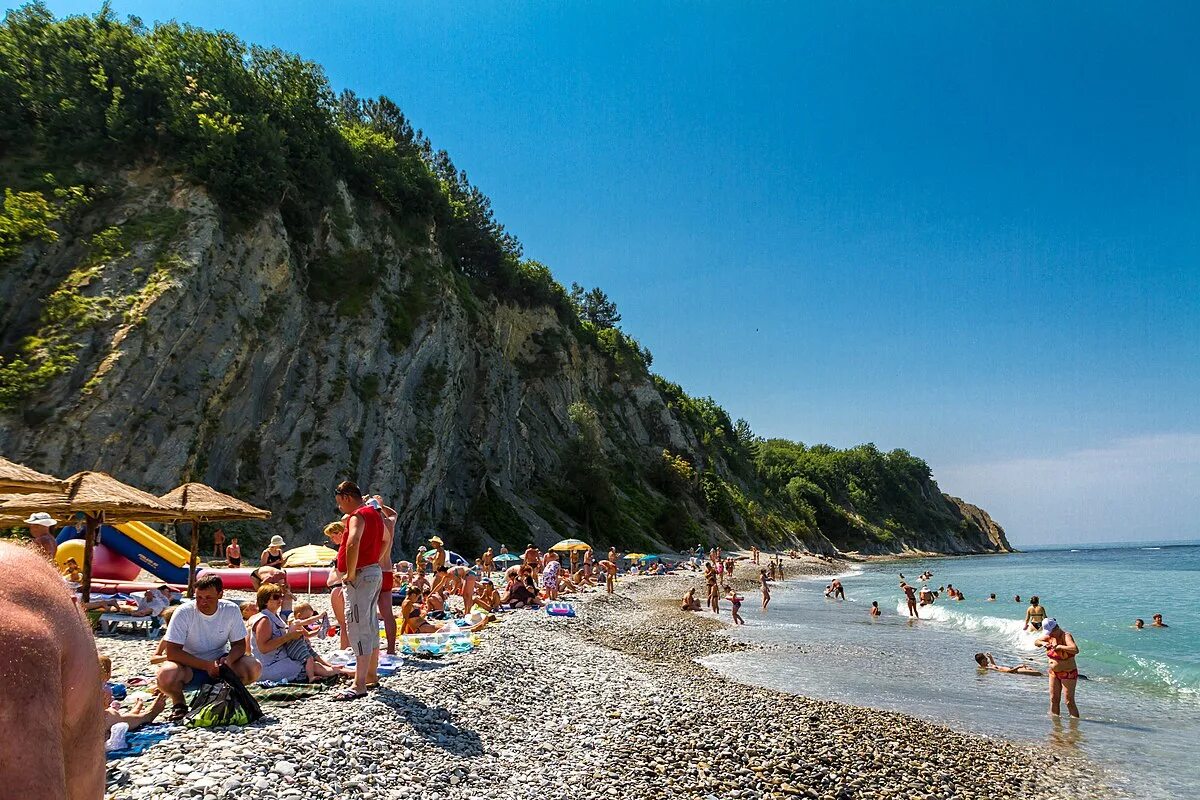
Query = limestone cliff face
x=209 y=351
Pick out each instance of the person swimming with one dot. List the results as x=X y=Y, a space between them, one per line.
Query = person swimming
x=1139 y=624
x=987 y=661
x=1158 y=622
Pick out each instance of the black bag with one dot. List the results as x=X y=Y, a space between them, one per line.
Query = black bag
x=225 y=702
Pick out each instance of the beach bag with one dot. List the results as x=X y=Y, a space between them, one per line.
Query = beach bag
x=214 y=704
x=225 y=702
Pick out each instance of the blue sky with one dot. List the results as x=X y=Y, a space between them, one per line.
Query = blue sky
x=966 y=229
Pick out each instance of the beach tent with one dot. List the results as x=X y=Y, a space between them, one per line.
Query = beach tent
x=571 y=545
x=101 y=498
x=20 y=479
x=199 y=503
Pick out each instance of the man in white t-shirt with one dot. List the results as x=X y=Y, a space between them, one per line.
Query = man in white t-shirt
x=201 y=637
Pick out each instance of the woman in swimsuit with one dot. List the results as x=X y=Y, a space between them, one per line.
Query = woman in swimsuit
x=1064 y=672
x=1034 y=614
x=273 y=555
x=766 y=589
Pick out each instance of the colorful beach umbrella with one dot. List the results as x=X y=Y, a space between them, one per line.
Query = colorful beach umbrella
x=569 y=545
x=651 y=557
x=506 y=558
x=451 y=558
x=310 y=555
x=634 y=556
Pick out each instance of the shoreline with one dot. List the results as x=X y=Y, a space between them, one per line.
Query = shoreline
x=611 y=703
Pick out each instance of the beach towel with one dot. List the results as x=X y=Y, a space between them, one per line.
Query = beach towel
x=138 y=742
x=287 y=692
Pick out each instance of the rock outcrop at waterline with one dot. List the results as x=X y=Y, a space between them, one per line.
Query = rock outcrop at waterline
x=273 y=365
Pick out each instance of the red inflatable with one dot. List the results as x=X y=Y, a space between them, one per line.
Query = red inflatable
x=300 y=579
x=106 y=564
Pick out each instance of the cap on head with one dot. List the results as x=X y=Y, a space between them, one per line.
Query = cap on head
x=1048 y=625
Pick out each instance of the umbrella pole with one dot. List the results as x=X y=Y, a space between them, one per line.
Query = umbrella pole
x=89 y=543
x=192 y=561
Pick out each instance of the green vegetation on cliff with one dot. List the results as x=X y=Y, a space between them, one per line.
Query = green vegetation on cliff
x=262 y=130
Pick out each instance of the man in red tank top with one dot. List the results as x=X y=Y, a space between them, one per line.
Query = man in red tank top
x=358 y=559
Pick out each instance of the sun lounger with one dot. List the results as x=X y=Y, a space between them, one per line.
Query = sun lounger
x=109 y=621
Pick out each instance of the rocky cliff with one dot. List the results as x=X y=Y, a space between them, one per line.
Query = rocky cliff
x=229 y=354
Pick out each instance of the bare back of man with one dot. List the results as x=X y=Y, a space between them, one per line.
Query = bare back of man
x=52 y=730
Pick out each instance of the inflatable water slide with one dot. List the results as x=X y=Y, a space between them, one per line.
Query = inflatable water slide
x=124 y=550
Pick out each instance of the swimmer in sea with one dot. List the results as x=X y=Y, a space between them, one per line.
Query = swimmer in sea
x=1138 y=624
x=986 y=661
x=992 y=597
x=875 y=612
x=1158 y=623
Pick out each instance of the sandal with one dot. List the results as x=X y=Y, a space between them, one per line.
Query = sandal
x=374 y=685
x=348 y=694
x=177 y=714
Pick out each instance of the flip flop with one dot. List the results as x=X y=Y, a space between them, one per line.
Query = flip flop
x=374 y=685
x=346 y=695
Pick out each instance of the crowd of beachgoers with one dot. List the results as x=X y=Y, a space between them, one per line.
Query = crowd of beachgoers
x=576 y=677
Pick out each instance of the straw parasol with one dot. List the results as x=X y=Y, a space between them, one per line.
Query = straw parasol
x=571 y=545
x=20 y=479
x=100 y=498
x=199 y=503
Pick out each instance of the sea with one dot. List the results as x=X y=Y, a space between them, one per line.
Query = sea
x=1140 y=707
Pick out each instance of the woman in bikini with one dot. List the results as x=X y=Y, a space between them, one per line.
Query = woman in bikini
x=1034 y=614
x=1064 y=672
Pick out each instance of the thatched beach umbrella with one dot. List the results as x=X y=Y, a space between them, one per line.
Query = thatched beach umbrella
x=20 y=479
x=199 y=503
x=100 y=498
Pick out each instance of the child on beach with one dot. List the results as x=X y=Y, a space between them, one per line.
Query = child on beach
x=735 y=602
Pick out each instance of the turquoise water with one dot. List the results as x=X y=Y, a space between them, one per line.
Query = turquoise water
x=1140 y=706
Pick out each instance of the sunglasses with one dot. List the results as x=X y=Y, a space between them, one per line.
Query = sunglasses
x=276 y=596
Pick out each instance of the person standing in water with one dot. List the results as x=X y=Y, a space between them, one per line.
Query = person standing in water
x=1064 y=672
x=875 y=612
x=1034 y=614
x=910 y=598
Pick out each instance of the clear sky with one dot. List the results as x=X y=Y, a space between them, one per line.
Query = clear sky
x=966 y=229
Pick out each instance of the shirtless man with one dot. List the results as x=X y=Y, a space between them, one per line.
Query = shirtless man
x=690 y=603
x=439 y=553
x=910 y=598
x=51 y=736
x=1158 y=622
x=987 y=661
x=1064 y=672
x=390 y=515
x=233 y=553
x=610 y=570
x=839 y=591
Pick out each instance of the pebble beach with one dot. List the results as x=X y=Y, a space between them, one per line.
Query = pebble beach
x=610 y=703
